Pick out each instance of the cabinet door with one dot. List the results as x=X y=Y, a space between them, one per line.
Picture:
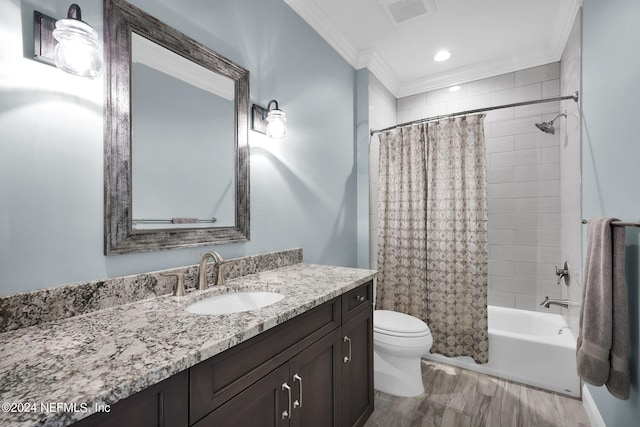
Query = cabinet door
x=357 y=369
x=264 y=404
x=315 y=379
x=162 y=404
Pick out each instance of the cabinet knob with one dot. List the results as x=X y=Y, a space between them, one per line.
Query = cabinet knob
x=360 y=298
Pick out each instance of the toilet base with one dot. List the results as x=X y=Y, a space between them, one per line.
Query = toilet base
x=398 y=376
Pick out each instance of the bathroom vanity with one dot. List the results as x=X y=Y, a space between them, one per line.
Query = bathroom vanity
x=306 y=360
x=313 y=370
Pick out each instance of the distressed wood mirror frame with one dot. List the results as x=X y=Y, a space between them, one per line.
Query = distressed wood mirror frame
x=120 y=19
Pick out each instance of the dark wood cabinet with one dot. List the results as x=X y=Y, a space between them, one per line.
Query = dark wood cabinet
x=302 y=392
x=315 y=375
x=313 y=370
x=260 y=405
x=357 y=371
x=162 y=404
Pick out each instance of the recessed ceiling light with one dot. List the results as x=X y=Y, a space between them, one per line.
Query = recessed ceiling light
x=443 y=55
x=454 y=88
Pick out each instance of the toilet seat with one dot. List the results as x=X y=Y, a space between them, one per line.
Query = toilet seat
x=399 y=324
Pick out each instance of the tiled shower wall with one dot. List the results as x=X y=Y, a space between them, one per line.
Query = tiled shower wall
x=523 y=168
x=571 y=177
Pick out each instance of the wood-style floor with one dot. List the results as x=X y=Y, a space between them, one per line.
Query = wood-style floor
x=456 y=397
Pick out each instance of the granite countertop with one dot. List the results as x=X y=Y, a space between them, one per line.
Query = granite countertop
x=108 y=355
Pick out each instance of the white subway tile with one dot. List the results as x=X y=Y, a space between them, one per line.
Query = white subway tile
x=551 y=88
x=492 y=84
x=502 y=268
x=528 y=302
x=514 y=284
x=548 y=254
x=534 y=111
x=445 y=95
x=500 y=237
x=515 y=158
x=536 y=140
x=547 y=171
x=549 y=188
x=517 y=189
x=538 y=205
x=500 y=205
x=537 y=237
x=537 y=74
x=500 y=175
x=517 y=94
x=513 y=127
x=550 y=154
x=526 y=270
x=550 y=221
x=501 y=299
x=503 y=143
x=514 y=253
x=455 y=105
x=501 y=115
x=412 y=102
x=513 y=221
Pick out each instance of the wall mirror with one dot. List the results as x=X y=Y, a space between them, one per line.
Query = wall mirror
x=176 y=138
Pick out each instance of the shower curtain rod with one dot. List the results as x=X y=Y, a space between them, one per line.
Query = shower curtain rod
x=478 y=110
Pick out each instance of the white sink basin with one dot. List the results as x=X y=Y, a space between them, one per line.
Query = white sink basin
x=234 y=302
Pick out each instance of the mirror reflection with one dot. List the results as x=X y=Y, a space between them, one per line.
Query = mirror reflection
x=182 y=141
x=176 y=138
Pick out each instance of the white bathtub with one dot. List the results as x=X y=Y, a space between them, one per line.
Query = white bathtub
x=526 y=346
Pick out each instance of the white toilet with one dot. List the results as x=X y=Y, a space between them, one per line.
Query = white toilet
x=399 y=341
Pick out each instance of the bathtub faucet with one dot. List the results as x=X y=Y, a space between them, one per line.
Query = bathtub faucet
x=564 y=303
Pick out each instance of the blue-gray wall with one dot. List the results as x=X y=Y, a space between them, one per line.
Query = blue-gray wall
x=611 y=156
x=303 y=188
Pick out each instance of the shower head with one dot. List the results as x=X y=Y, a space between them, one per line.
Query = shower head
x=547 y=127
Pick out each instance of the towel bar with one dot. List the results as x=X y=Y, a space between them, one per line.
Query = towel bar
x=620 y=223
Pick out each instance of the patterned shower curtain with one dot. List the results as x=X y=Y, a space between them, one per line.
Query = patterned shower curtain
x=432 y=231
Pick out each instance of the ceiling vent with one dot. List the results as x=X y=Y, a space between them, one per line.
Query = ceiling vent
x=404 y=10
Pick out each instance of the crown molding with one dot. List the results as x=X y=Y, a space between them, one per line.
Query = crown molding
x=472 y=73
x=569 y=11
x=380 y=68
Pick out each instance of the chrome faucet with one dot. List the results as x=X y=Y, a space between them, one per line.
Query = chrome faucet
x=202 y=270
x=564 y=303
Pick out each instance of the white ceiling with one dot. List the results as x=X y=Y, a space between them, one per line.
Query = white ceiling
x=485 y=38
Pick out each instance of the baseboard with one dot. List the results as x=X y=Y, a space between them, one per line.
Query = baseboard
x=590 y=407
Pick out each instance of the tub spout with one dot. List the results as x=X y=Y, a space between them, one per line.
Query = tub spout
x=552 y=301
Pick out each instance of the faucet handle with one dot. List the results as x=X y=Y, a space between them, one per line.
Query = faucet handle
x=546 y=298
x=179 y=290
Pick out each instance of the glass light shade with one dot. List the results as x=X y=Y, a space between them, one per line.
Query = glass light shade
x=77 y=48
x=276 y=124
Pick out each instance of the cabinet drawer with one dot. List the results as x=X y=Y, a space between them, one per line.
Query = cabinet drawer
x=221 y=377
x=356 y=300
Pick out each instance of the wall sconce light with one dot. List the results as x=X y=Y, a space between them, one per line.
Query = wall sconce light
x=70 y=44
x=271 y=120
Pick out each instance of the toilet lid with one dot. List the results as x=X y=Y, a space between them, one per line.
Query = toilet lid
x=392 y=322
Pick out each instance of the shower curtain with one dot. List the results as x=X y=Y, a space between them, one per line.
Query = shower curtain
x=432 y=231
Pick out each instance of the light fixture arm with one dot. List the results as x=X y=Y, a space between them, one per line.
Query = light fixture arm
x=74 y=12
x=273 y=101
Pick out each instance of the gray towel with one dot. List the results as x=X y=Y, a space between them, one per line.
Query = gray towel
x=603 y=340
